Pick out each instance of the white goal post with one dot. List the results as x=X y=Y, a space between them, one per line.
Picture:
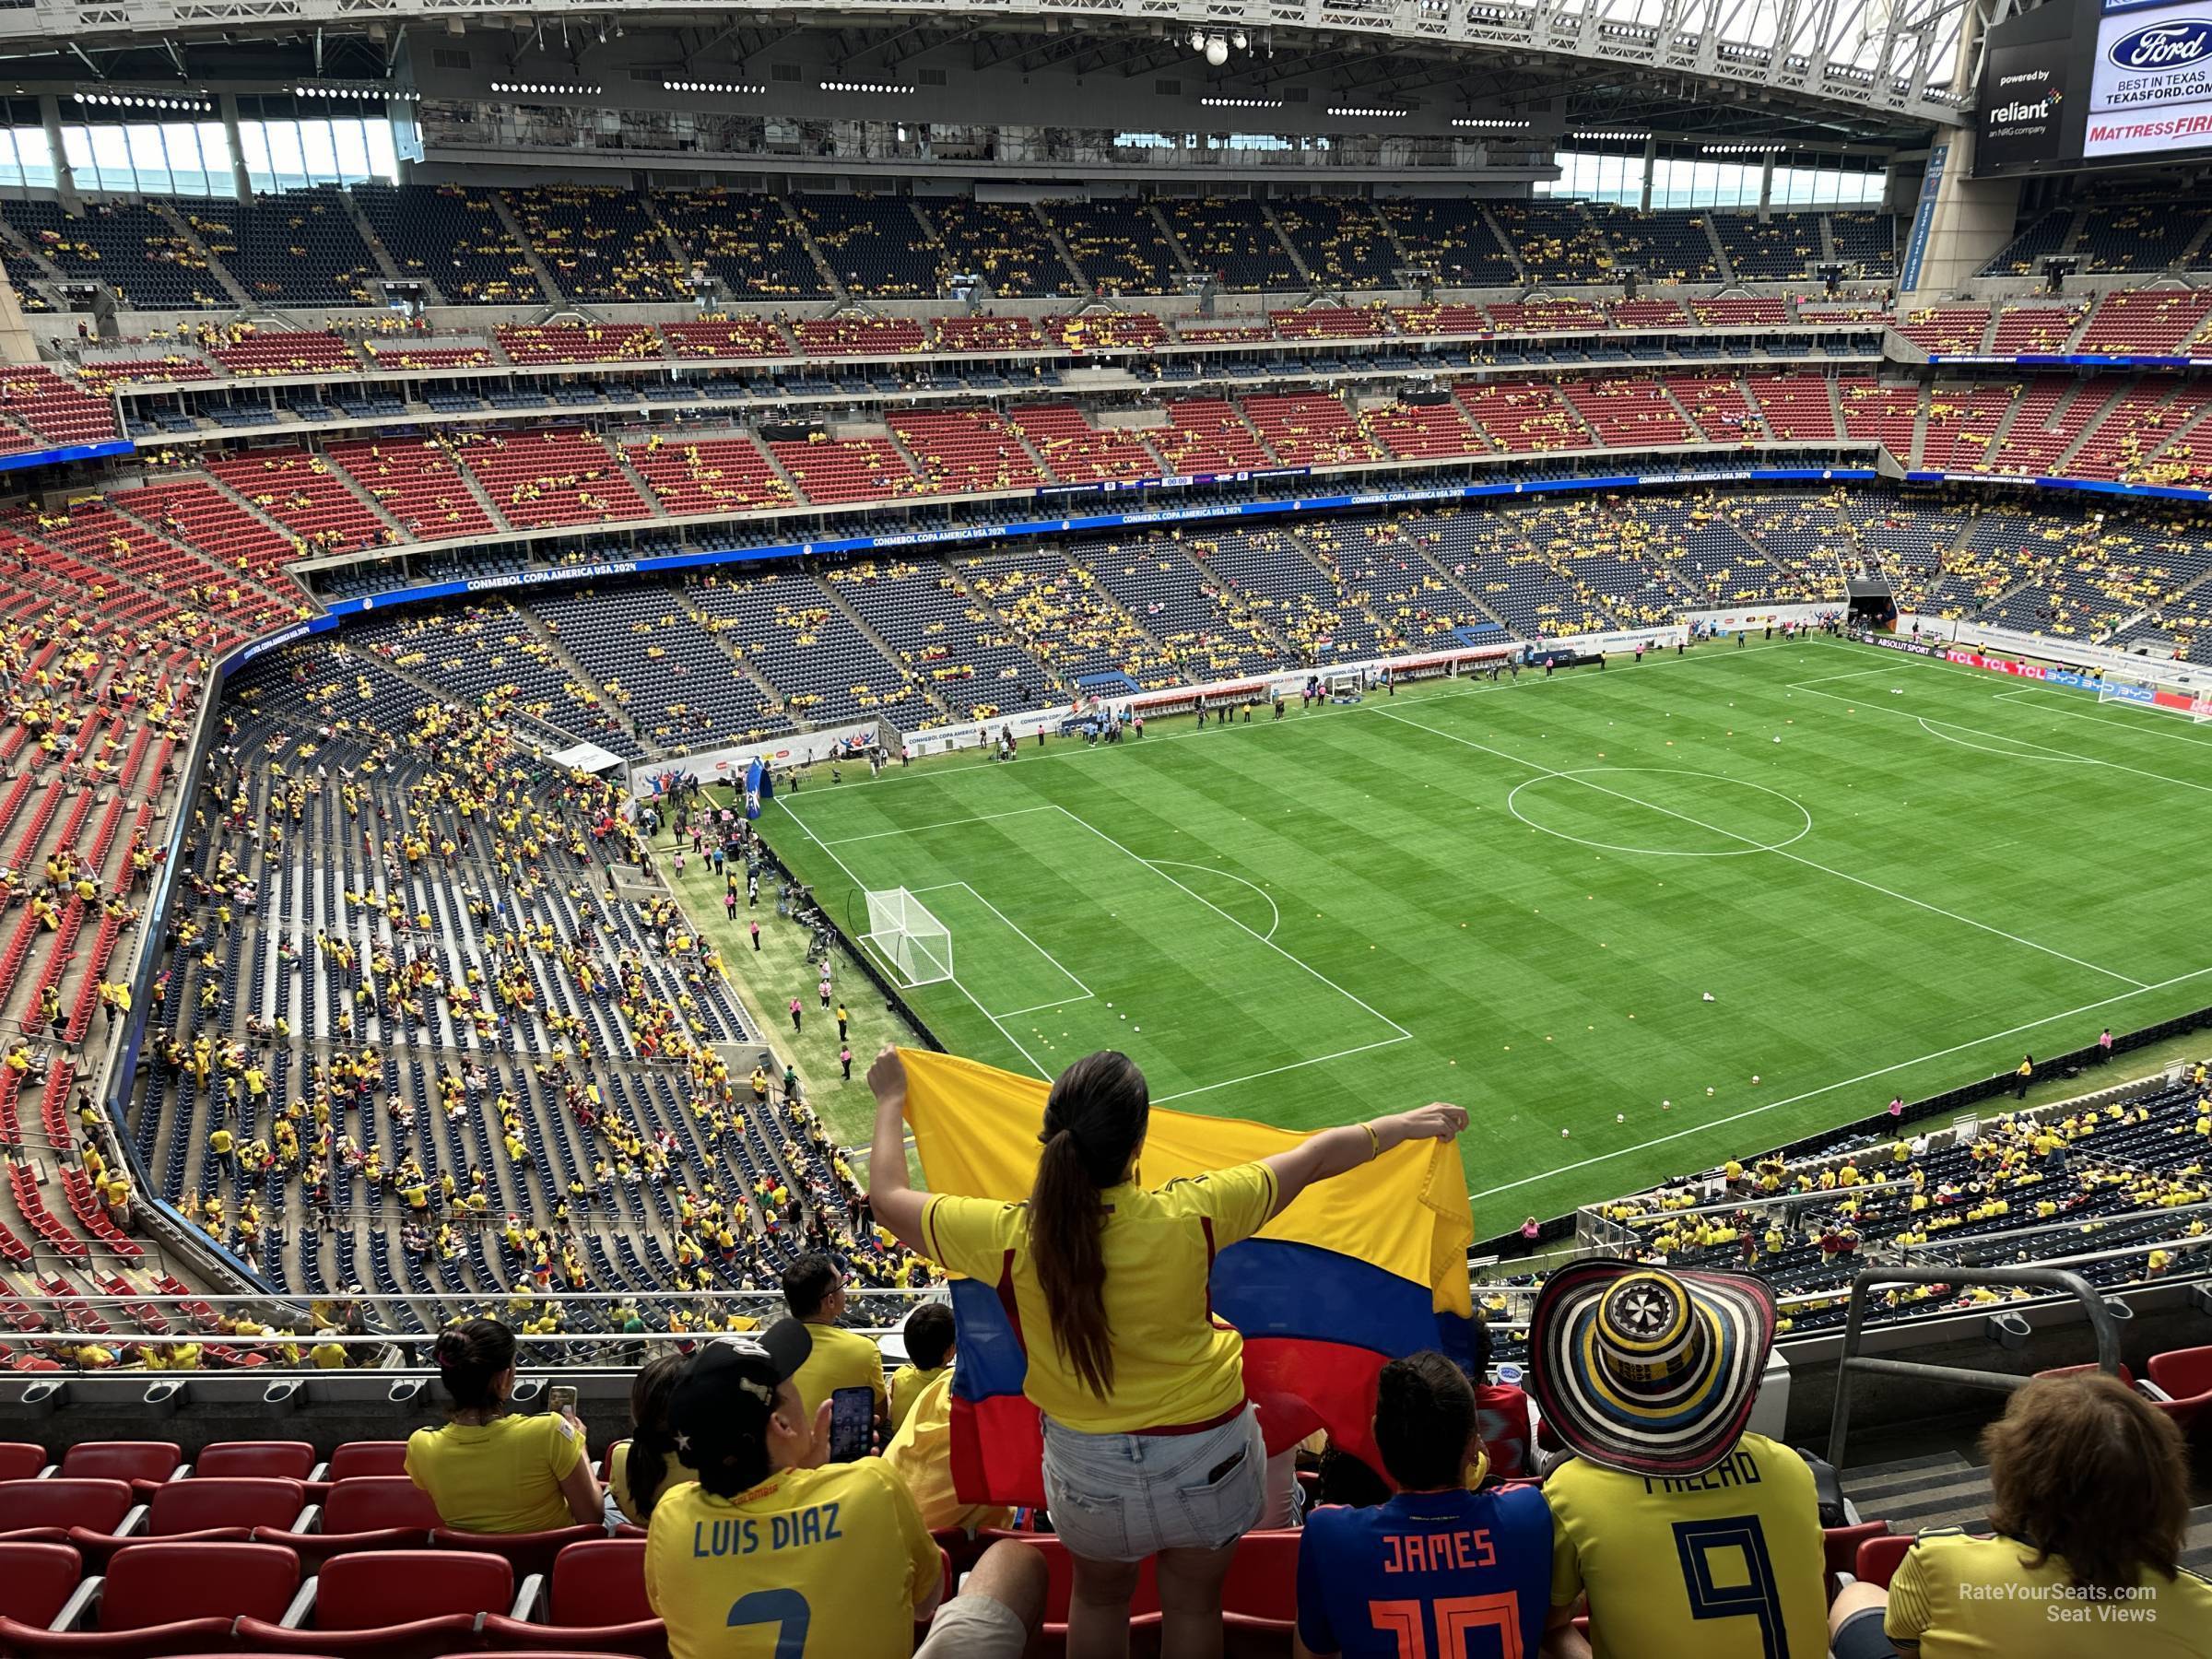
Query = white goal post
x=2177 y=692
x=916 y=945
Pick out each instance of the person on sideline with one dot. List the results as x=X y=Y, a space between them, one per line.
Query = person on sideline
x=489 y=1471
x=641 y=1468
x=1418 y=1573
x=929 y=1333
x=775 y=1551
x=814 y=1289
x=1692 y=1539
x=2089 y=1497
x=1150 y=1446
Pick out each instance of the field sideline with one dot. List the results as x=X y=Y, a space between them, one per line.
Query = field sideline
x=1518 y=897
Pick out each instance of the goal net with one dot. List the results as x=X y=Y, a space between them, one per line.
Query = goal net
x=916 y=945
x=2175 y=693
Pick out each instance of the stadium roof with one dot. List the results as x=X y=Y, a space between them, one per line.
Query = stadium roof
x=1874 y=71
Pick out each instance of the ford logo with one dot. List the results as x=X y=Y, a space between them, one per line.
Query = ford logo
x=2173 y=45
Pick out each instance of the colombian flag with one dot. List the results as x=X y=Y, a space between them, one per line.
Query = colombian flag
x=1358 y=1272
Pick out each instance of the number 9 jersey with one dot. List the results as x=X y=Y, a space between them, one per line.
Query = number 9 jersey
x=1723 y=1565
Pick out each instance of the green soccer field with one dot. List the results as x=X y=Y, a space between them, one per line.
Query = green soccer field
x=1518 y=897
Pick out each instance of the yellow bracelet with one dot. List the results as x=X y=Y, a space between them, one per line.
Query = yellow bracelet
x=1374 y=1146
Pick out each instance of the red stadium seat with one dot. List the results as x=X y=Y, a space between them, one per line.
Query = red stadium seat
x=19 y=1460
x=54 y=1507
x=141 y=1463
x=1261 y=1591
x=2126 y=1375
x=1878 y=1559
x=267 y=1460
x=374 y=1512
x=206 y=1512
x=36 y=1579
x=408 y=1603
x=165 y=1598
x=2186 y=1375
x=356 y=1458
x=1259 y=1597
x=1839 y=1545
x=526 y=1552
x=594 y=1602
x=1062 y=1578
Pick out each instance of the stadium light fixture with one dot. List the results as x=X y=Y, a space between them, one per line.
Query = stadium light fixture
x=1488 y=124
x=1365 y=114
x=725 y=89
x=548 y=89
x=1216 y=52
x=1240 y=103
x=869 y=88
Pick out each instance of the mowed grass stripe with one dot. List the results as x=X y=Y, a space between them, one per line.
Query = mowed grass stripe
x=1515 y=957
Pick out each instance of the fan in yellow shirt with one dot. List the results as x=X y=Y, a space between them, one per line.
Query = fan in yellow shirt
x=1692 y=1539
x=772 y=1553
x=921 y=1455
x=928 y=1335
x=650 y=1455
x=2104 y=1576
x=814 y=1289
x=491 y=1473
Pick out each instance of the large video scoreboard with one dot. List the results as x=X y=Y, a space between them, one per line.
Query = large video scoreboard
x=2090 y=83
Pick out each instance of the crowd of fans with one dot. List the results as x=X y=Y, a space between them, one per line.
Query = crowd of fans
x=1655 y=1523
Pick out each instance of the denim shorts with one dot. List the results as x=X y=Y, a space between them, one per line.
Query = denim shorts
x=1127 y=1497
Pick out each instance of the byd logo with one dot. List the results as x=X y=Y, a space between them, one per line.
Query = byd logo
x=2164 y=45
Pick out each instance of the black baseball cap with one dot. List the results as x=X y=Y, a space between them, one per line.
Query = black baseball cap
x=719 y=1409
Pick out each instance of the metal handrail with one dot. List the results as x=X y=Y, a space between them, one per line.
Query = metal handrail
x=1850 y=1362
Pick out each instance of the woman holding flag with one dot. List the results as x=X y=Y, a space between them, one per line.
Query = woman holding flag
x=1150 y=1445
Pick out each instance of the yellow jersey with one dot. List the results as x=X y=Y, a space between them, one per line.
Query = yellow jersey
x=907 y=1384
x=1174 y=1362
x=839 y=1358
x=1723 y=1565
x=827 y=1563
x=674 y=1474
x=921 y=1455
x=501 y=1476
x=1963 y=1598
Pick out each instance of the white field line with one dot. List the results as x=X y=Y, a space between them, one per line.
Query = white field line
x=1288 y=955
x=1376 y=703
x=2126 y=722
x=1274 y=908
x=1277 y=1070
x=1872 y=887
x=1402 y=1035
x=1737 y=1117
x=981 y=817
x=831 y=853
x=2024 y=743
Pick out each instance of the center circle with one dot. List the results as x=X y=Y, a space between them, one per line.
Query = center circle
x=1671 y=812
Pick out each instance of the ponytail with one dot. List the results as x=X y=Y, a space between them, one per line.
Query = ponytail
x=652 y=1441
x=1094 y=1123
x=470 y=1358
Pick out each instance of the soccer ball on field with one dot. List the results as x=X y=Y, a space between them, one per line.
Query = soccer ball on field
x=1565 y=1132
x=1620 y=1117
